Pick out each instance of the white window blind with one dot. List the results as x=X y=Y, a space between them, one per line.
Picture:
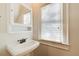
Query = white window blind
x=52 y=23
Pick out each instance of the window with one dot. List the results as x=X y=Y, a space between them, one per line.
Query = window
x=52 y=23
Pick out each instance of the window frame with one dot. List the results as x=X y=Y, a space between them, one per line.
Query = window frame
x=67 y=41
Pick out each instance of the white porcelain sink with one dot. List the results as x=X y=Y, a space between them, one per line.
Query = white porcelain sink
x=17 y=49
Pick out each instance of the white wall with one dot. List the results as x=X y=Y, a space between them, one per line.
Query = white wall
x=4 y=35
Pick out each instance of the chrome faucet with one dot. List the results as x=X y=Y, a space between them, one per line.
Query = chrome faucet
x=22 y=40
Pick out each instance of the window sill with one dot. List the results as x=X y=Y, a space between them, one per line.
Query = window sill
x=55 y=44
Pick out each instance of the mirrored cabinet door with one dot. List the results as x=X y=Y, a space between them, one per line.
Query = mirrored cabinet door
x=20 y=17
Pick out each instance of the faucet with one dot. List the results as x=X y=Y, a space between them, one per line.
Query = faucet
x=22 y=40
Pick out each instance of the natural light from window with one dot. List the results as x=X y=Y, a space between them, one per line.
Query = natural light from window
x=52 y=23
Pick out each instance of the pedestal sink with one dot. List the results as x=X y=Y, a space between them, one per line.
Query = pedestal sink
x=17 y=49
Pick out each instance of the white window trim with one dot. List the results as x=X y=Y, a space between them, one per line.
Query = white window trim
x=67 y=29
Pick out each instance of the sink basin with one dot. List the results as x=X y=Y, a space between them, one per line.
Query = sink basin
x=17 y=49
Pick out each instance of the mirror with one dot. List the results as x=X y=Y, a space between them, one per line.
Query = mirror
x=19 y=12
x=20 y=17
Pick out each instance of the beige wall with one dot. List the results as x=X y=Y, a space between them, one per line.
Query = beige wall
x=73 y=34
